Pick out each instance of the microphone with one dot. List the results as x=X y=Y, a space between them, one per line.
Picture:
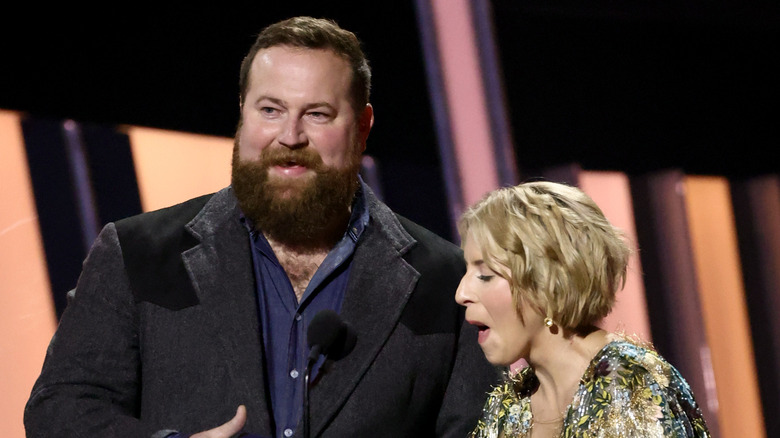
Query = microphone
x=330 y=336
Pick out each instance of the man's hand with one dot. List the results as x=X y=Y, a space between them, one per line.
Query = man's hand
x=228 y=429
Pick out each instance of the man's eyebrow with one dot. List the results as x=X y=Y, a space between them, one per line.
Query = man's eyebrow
x=283 y=103
x=275 y=100
x=319 y=105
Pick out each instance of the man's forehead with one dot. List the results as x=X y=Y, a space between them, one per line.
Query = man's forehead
x=280 y=73
x=283 y=50
x=322 y=64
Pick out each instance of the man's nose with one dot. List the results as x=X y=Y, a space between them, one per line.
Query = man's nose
x=292 y=134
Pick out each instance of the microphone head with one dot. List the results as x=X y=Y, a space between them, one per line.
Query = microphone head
x=333 y=337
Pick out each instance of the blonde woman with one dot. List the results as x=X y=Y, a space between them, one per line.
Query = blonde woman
x=543 y=267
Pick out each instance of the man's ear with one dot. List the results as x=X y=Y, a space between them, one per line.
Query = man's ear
x=365 y=122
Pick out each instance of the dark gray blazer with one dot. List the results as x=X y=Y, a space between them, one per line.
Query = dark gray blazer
x=163 y=333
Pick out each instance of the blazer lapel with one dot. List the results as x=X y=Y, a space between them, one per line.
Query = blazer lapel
x=380 y=285
x=220 y=268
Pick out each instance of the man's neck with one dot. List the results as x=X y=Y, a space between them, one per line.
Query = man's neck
x=301 y=260
x=299 y=266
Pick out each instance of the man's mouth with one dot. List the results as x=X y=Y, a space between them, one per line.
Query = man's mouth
x=291 y=168
x=282 y=159
x=290 y=162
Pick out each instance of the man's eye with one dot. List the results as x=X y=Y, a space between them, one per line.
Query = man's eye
x=268 y=110
x=484 y=278
x=317 y=115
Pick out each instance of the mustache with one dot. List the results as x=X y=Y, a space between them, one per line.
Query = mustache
x=283 y=156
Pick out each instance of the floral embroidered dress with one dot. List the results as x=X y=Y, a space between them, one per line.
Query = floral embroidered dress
x=627 y=391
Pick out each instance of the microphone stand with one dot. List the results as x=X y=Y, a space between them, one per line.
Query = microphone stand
x=329 y=336
x=306 y=404
x=315 y=352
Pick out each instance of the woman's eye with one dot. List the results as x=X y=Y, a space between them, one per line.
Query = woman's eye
x=484 y=278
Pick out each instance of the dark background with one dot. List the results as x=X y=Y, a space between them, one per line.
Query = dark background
x=641 y=86
x=630 y=86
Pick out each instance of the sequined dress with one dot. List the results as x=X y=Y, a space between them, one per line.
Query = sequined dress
x=627 y=391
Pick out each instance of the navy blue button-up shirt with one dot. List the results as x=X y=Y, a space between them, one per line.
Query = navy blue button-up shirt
x=284 y=320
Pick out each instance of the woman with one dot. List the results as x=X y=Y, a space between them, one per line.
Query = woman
x=543 y=267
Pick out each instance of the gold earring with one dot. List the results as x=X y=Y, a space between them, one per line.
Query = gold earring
x=548 y=321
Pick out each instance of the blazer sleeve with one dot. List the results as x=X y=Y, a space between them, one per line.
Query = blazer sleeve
x=89 y=384
x=471 y=376
x=470 y=382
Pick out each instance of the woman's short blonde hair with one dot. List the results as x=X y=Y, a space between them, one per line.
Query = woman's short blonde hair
x=554 y=246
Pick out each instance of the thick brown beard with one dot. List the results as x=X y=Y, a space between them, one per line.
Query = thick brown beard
x=296 y=213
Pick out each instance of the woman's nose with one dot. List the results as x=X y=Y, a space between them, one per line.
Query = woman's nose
x=463 y=294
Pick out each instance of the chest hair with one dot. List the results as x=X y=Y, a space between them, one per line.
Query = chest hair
x=300 y=267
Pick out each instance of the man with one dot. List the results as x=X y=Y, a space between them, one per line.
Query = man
x=189 y=316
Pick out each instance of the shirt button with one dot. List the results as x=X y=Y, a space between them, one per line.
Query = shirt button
x=294 y=375
x=298 y=317
x=288 y=432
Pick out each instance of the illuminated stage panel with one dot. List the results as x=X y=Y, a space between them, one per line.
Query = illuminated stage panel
x=465 y=97
x=757 y=215
x=173 y=167
x=27 y=316
x=722 y=294
x=612 y=193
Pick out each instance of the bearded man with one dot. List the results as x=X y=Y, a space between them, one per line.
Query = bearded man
x=193 y=319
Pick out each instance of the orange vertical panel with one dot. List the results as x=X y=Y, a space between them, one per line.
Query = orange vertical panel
x=27 y=316
x=173 y=167
x=466 y=102
x=612 y=192
x=716 y=256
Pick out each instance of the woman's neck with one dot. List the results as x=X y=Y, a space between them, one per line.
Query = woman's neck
x=559 y=361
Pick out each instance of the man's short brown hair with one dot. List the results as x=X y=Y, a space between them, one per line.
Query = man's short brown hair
x=314 y=33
